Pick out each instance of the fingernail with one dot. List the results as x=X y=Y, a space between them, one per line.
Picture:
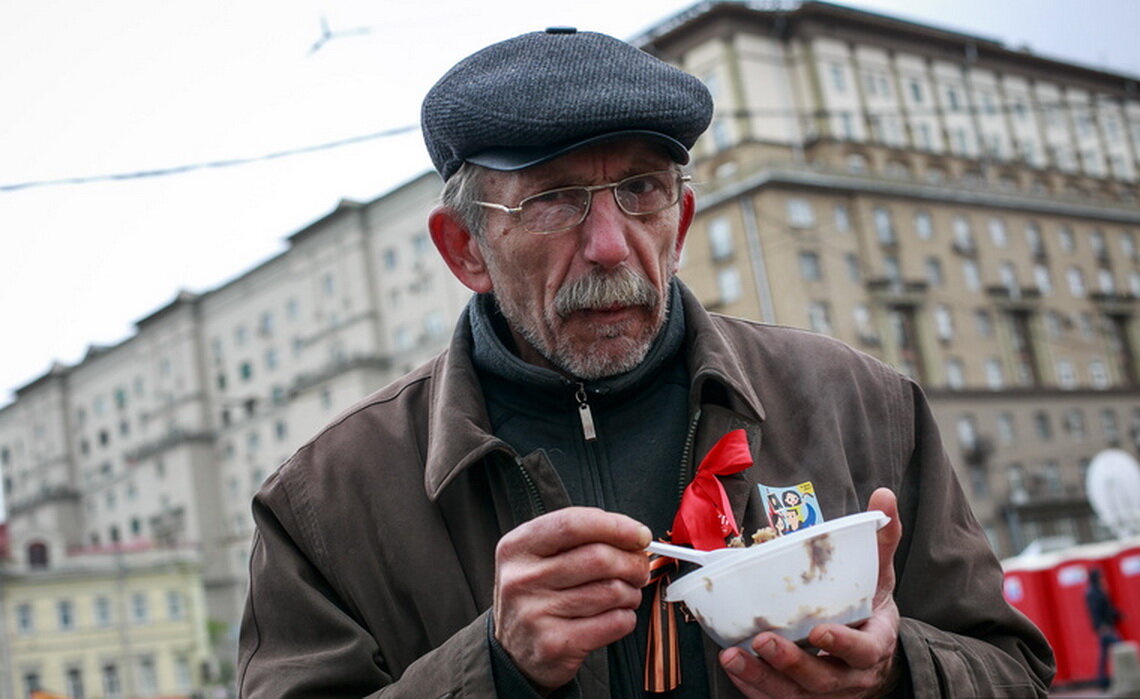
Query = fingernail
x=644 y=536
x=734 y=664
x=824 y=642
x=766 y=650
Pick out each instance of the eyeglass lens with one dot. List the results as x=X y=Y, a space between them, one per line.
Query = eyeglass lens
x=566 y=207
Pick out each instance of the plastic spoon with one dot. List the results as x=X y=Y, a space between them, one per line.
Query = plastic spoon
x=701 y=558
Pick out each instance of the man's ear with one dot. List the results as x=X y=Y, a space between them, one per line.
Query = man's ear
x=459 y=249
x=688 y=210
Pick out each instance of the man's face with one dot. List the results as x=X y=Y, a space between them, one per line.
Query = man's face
x=589 y=300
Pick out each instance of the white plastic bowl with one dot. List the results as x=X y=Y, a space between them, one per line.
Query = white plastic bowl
x=823 y=574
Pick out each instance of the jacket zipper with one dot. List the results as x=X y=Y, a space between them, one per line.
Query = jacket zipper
x=585 y=414
x=687 y=455
x=536 y=503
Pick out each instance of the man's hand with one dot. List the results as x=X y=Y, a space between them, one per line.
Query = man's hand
x=567 y=583
x=854 y=662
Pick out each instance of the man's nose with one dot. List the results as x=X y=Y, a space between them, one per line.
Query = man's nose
x=604 y=231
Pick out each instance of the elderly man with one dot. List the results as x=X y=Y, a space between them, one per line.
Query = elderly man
x=478 y=527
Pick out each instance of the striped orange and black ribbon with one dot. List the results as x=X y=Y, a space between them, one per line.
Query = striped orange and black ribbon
x=662 y=661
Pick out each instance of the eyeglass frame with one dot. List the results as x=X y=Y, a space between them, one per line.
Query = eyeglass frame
x=590 y=189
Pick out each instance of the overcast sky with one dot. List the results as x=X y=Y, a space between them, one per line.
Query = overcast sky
x=120 y=86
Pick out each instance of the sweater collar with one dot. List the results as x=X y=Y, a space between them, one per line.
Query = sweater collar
x=491 y=353
x=459 y=433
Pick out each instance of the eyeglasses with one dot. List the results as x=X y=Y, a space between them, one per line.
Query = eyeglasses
x=566 y=207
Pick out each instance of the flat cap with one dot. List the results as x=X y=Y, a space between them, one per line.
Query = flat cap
x=532 y=98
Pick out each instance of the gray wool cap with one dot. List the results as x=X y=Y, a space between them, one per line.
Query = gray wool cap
x=532 y=98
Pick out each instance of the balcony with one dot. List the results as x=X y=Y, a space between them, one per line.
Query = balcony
x=1117 y=303
x=897 y=292
x=1014 y=298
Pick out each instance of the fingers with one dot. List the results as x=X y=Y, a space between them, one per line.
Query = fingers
x=571 y=527
x=781 y=668
x=888 y=539
x=566 y=584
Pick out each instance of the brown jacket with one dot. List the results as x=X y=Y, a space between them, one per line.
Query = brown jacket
x=373 y=563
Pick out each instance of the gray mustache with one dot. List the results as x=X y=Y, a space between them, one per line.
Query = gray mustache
x=600 y=289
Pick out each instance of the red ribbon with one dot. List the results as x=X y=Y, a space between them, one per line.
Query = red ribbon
x=705 y=517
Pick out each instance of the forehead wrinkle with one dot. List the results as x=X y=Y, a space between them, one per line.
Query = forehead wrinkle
x=631 y=157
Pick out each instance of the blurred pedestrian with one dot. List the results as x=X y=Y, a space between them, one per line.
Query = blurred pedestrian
x=1104 y=616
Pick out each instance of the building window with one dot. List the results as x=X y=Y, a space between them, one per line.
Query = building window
x=984 y=323
x=148 y=678
x=1007 y=434
x=390 y=259
x=963 y=236
x=140 y=611
x=853 y=271
x=994 y=378
x=863 y=325
x=25 y=619
x=955 y=378
x=1076 y=282
x=65 y=612
x=112 y=688
x=1008 y=275
x=944 y=322
x=810 y=267
x=728 y=284
x=102 y=612
x=1075 y=424
x=1067 y=239
x=891 y=269
x=1106 y=281
x=73 y=682
x=923 y=225
x=998 y=232
x=934 y=271
x=800 y=214
x=32 y=685
x=1110 y=425
x=37 y=555
x=884 y=226
x=1033 y=238
x=842 y=218
x=1041 y=425
x=1043 y=280
x=967 y=432
x=838 y=78
x=819 y=317
x=971 y=275
x=1066 y=377
x=1128 y=245
x=915 y=91
x=720 y=238
x=1098 y=374
x=1051 y=470
x=175 y=605
x=183 y=679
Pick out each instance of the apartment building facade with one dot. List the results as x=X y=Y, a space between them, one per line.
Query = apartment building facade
x=160 y=441
x=131 y=625
x=965 y=211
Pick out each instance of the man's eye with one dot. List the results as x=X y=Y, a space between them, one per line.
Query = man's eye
x=642 y=185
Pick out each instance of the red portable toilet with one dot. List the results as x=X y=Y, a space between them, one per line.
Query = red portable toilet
x=1122 y=577
x=1068 y=581
x=1026 y=588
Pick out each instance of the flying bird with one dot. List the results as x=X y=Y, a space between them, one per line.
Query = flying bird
x=328 y=35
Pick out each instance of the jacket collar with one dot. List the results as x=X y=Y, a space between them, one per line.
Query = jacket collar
x=459 y=432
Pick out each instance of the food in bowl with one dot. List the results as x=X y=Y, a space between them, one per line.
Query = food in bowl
x=823 y=574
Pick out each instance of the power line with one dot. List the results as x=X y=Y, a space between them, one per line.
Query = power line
x=227 y=162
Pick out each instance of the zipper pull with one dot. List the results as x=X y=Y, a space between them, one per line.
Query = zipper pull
x=584 y=413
